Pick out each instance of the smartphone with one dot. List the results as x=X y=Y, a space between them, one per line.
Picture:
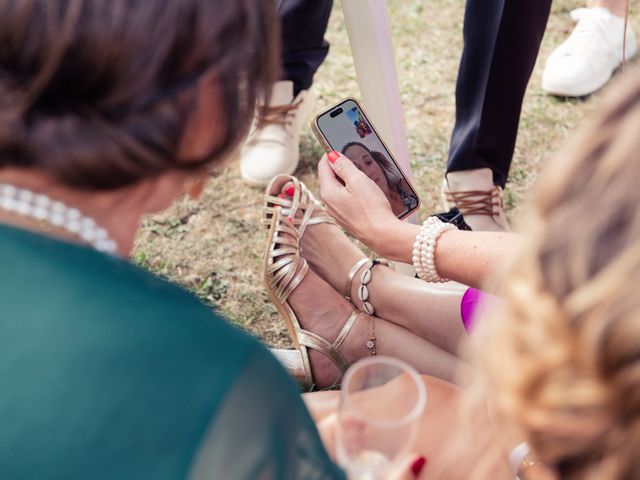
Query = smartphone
x=345 y=128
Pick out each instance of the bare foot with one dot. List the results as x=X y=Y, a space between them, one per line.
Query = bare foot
x=323 y=311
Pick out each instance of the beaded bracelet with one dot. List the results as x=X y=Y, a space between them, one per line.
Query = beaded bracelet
x=424 y=249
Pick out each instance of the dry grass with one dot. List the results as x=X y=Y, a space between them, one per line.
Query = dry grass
x=214 y=246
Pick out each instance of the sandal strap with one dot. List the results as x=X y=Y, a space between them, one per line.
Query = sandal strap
x=303 y=200
x=352 y=273
x=330 y=350
x=285 y=267
x=337 y=343
x=322 y=217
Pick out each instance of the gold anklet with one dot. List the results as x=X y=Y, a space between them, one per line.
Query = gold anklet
x=371 y=343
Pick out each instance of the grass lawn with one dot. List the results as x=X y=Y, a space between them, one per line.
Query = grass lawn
x=214 y=246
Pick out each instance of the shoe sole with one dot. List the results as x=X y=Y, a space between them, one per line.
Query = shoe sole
x=581 y=90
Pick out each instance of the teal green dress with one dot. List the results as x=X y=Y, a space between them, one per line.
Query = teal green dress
x=108 y=372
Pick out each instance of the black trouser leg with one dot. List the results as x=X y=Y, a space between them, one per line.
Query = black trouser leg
x=501 y=43
x=304 y=23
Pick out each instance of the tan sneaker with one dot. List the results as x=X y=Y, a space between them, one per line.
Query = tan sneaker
x=274 y=148
x=475 y=195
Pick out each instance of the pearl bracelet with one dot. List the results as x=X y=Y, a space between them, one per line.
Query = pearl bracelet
x=424 y=249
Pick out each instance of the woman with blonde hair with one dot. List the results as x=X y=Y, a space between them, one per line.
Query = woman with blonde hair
x=562 y=358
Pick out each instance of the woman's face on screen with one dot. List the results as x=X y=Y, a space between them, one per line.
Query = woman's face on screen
x=361 y=157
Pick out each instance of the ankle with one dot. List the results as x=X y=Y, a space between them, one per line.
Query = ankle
x=367 y=289
x=357 y=344
x=330 y=254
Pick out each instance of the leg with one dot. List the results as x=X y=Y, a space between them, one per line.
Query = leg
x=410 y=303
x=304 y=23
x=501 y=43
x=413 y=304
x=323 y=311
x=491 y=85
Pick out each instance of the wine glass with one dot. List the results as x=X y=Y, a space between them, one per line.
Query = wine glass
x=376 y=428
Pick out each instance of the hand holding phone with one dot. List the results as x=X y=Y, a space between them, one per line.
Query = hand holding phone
x=355 y=201
x=345 y=128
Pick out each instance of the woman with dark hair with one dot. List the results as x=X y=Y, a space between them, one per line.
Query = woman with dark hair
x=377 y=167
x=108 y=111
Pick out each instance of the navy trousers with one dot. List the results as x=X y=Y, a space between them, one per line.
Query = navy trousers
x=304 y=23
x=501 y=43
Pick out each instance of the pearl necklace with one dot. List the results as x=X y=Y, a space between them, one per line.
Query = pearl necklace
x=40 y=207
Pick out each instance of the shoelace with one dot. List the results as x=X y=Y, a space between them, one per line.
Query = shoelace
x=476 y=202
x=280 y=114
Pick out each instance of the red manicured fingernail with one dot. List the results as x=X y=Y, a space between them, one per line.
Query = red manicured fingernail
x=281 y=196
x=418 y=465
x=290 y=191
x=333 y=156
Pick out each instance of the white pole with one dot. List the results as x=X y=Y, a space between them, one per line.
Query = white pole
x=369 y=32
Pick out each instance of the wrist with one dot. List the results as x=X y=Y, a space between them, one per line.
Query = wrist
x=394 y=240
x=425 y=246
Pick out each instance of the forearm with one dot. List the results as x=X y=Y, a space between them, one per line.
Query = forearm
x=465 y=257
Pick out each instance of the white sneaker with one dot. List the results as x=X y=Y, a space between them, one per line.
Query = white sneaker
x=585 y=61
x=274 y=148
x=475 y=195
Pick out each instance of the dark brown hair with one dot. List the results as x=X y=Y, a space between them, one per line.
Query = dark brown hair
x=97 y=93
x=379 y=157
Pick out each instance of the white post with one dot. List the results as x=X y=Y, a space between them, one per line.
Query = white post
x=369 y=31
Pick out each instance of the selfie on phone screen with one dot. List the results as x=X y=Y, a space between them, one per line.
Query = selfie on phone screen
x=348 y=131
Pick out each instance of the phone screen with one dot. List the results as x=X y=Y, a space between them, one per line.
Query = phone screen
x=347 y=130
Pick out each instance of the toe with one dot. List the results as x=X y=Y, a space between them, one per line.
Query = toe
x=288 y=189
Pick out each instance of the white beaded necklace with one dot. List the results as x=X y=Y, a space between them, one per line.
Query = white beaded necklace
x=39 y=206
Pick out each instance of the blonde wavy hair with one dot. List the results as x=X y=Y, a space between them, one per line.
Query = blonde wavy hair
x=561 y=360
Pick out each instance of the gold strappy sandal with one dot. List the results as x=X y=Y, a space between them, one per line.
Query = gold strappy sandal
x=284 y=269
